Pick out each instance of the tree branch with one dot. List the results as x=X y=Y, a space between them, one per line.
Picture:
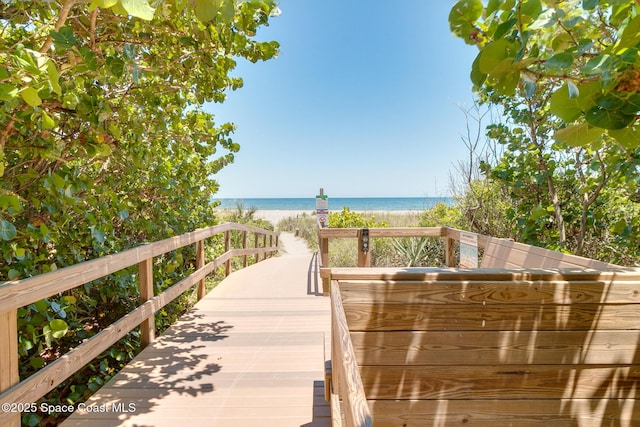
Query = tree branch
x=62 y=18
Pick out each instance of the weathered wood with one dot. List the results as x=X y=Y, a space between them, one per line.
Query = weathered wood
x=336 y=411
x=200 y=261
x=364 y=256
x=504 y=253
x=500 y=382
x=324 y=263
x=227 y=247
x=20 y=293
x=46 y=379
x=441 y=317
x=23 y=292
x=350 y=386
x=432 y=274
x=145 y=283
x=264 y=245
x=449 y=250
x=255 y=245
x=9 y=362
x=506 y=412
x=414 y=348
x=245 y=261
x=490 y=292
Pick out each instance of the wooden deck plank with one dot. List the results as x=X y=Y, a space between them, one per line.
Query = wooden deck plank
x=251 y=353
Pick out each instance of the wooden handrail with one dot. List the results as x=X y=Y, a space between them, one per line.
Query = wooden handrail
x=19 y=293
x=450 y=236
x=346 y=380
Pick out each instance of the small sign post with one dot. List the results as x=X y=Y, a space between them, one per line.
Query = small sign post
x=468 y=250
x=322 y=209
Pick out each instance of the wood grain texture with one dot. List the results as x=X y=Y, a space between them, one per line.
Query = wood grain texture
x=503 y=253
x=413 y=348
x=490 y=293
x=9 y=362
x=350 y=386
x=442 y=317
x=500 y=382
x=496 y=347
x=23 y=292
x=27 y=291
x=504 y=412
x=249 y=354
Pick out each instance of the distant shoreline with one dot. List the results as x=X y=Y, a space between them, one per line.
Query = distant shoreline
x=360 y=204
x=274 y=216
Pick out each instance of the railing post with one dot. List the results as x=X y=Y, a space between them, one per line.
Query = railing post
x=270 y=244
x=245 y=261
x=200 y=261
x=255 y=245
x=9 y=369
x=364 y=248
x=264 y=245
x=449 y=251
x=227 y=247
x=324 y=261
x=145 y=284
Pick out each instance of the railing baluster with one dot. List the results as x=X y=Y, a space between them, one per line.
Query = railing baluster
x=145 y=283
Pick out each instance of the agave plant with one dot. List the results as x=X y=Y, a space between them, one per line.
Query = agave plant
x=414 y=252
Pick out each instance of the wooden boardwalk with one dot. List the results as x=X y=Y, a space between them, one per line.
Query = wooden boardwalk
x=251 y=353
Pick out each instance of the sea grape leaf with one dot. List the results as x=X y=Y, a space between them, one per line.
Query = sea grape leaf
x=31 y=97
x=63 y=38
x=52 y=72
x=8 y=92
x=560 y=61
x=580 y=135
x=462 y=18
x=608 y=119
x=206 y=10
x=138 y=8
x=589 y=4
x=563 y=106
x=7 y=230
x=629 y=137
x=494 y=55
x=477 y=76
x=631 y=35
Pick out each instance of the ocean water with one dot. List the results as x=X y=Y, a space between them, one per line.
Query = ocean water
x=337 y=203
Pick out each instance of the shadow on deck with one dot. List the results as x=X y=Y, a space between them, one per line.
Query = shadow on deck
x=251 y=353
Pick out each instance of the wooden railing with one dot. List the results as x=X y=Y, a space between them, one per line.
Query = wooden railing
x=20 y=293
x=449 y=235
x=345 y=382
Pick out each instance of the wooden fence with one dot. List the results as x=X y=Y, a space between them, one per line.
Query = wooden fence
x=20 y=293
x=526 y=347
x=449 y=235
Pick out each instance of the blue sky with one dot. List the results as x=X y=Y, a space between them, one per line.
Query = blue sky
x=363 y=100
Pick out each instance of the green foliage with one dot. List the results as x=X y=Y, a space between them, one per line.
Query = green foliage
x=583 y=52
x=349 y=219
x=104 y=145
x=304 y=226
x=442 y=215
x=566 y=77
x=385 y=252
x=244 y=215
